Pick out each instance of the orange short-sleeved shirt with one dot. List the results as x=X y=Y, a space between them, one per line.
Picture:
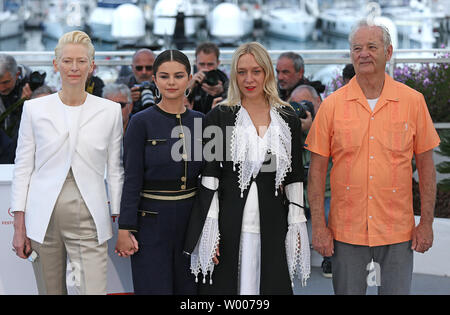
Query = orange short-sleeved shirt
x=371 y=178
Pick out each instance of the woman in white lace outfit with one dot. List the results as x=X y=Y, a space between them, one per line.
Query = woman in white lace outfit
x=247 y=231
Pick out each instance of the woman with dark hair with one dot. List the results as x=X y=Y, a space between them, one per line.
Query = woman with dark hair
x=161 y=171
x=242 y=236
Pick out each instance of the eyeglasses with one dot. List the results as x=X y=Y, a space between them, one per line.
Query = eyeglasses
x=123 y=104
x=140 y=68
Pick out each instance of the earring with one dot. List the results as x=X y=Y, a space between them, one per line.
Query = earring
x=187 y=92
x=157 y=93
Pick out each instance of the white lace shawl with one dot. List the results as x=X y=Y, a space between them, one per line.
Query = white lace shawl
x=246 y=152
x=297 y=242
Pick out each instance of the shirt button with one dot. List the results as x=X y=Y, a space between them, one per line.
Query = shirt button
x=371 y=137
x=370 y=197
x=183 y=186
x=154 y=142
x=184 y=156
x=371 y=157
x=372 y=118
x=183 y=179
x=370 y=217
x=178 y=116
x=348 y=188
x=181 y=135
x=393 y=190
x=370 y=177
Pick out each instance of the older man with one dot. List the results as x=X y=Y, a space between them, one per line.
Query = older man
x=120 y=93
x=14 y=89
x=371 y=128
x=290 y=70
x=142 y=67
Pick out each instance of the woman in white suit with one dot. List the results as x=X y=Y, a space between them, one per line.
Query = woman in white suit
x=67 y=141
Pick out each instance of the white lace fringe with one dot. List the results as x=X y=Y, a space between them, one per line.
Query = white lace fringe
x=205 y=250
x=297 y=252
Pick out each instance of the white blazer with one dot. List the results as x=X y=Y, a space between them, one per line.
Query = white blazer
x=45 y=154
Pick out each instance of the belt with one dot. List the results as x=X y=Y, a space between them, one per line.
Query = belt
x=169 y=195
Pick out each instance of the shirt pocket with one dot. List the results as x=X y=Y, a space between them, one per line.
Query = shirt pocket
x=157 y=151
x=347 y=133
x=396 y=214
x=397 y=136
x=346 y=202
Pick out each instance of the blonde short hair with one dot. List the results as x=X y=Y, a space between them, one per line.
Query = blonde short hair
x=263 y=59
x=75 y=37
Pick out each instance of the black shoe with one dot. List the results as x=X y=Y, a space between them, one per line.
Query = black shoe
x=326 y=268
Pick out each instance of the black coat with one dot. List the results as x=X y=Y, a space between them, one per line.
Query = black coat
x=273 y=213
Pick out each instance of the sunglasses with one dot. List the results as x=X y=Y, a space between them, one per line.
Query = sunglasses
x=123 y=104
x=140 y=68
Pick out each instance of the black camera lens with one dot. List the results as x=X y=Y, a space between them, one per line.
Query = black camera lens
x=147 y=98
x=212 y=78
x=36 y=79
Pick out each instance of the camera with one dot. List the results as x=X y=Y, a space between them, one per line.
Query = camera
x=36 y=79
x=212 y=77
x=302 y=107
x=146 y=88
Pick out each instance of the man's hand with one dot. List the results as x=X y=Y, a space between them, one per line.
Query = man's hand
x=215 y=90
x=26 y=92
x=422 y=237
x=322 y=241
x=196 y=79
x=135 y=93
x=307 y=122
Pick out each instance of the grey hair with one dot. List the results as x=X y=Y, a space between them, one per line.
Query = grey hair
x=117 y=89
x=312 y=91
x=299 y=64
x=370 y=23
x=8 y=64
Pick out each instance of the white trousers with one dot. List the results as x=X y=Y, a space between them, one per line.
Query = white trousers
x=250 y=263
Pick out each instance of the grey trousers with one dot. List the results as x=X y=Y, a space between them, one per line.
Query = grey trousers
x=391 y=270
x=72 y=235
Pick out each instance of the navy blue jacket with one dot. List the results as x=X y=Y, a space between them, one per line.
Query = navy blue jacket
x=162 y=155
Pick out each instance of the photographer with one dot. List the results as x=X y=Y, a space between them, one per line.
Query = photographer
x=306 y=101
x=16 y=85
x=209 y=85
x=143 y=90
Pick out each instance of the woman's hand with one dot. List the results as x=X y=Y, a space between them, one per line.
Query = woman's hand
x=126 y=244
x=21 y=243
x=215 y=260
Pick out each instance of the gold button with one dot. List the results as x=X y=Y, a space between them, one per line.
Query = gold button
x=143 y=214
x=183 y=179
x=181 y=135
x=154 y=142
x=178 y=116
x=184 y=156
x=183 y=186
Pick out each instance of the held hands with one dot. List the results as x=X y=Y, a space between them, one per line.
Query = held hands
x=126 y=245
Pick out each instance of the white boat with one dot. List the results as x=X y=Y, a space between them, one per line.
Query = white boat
x=101 y=18
x=128 y=25
x=228 y=23
x=64 y=16
x=417 y=21
x=10 y=24
x=164 y=19
x=291 y=22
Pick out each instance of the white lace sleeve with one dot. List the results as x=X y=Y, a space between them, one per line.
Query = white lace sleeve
x=297 y=241
x=204 y=251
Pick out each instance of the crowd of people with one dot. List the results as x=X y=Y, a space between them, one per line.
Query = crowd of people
x=213 y=176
